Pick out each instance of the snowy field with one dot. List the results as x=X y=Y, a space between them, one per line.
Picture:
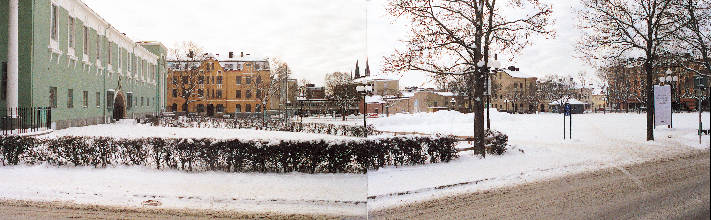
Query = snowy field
x=537 y=152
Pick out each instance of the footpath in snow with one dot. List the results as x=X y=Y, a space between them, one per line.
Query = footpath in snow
x=537 y=152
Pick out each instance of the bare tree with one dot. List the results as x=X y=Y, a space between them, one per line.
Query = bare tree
x=453 y=37
x=280 y=73
x=187 y=72
x=618 y=29
x=694 y=39
x=341 y=89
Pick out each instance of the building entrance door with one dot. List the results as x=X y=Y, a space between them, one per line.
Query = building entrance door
x=210 y=110
x=119 y=107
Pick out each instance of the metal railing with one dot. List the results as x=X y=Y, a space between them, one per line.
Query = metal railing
x=25 y=120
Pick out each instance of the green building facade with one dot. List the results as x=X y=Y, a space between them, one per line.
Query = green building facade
x=75 y=62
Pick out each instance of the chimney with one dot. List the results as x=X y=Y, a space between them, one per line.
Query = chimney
x=241 y=54
x=231 y=55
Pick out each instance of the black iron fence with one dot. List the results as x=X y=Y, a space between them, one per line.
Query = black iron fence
x=24 y=120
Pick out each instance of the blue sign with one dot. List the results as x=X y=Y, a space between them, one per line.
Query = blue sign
x=567 y=109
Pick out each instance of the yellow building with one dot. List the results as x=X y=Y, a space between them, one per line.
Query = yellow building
x=235 y=87
x=514 y=91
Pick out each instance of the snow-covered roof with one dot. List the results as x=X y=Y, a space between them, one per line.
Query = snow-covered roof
x=375 y=78
x=572 y=101
x=408 y=94
x=374 y=99
x=517 y=74
x=445 y=93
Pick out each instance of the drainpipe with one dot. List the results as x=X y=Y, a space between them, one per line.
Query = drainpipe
x=12 y=58
x=106 y=108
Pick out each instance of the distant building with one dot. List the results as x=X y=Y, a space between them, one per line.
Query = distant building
x=513 y=91
x=233 y=86
x=73 y=61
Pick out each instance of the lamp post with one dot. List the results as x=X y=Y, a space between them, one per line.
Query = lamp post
x=364 y=90
x=496 y=65
x=671 y=81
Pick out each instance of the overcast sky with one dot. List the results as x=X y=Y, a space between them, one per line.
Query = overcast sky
x=314 y=37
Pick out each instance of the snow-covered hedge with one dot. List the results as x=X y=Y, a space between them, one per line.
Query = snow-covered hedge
x=203 y=154
x=270 y=125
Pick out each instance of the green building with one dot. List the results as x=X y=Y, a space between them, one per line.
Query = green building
x=75 y=62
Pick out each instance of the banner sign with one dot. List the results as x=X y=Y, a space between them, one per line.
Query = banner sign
x=662 y=105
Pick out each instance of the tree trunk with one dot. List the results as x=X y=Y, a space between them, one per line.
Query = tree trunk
x=650 y=96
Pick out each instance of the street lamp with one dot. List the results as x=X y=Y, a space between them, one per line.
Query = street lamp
x=496 y=65
x=671 y=81
x=452 y=102
x=364 y=90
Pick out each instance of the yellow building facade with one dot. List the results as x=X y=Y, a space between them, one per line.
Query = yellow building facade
x=233 y=87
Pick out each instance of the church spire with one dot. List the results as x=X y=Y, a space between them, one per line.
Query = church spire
x=357 y=71
x=367 y=68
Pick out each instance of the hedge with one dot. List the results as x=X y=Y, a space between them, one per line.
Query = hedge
x=206 y=154
x=272 y=125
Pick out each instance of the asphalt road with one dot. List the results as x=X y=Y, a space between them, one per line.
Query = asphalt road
x=669 y=188
x=16 y=210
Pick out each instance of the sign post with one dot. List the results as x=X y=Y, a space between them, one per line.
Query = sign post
x=662 y=105
x=566 y=111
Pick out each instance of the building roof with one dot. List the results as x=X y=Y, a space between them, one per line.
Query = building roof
x=517 y=74
x=374 y=99
x=572 y=101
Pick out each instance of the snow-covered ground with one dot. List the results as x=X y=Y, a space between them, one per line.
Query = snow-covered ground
x=537 y=152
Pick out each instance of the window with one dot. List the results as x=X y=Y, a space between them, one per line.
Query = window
x=54 y=30
x=247 y=108
x=98 y=47
x=249 y=80
x=259 y=79
x=175 y=80
x=98 y=99
x=185 y=79
x=515 y=85
x=238 y=79
x=213 y=80
x=85 y=99
x=72 y=31
x=219 y=80
x=4 y=80
x=135 y=102
x=110 y=99
x=256 y=66
x=219 y=94
x=220 y=108
x=108 y=53
x=201 y=93
x=86 y=40
x=200 y=108
x=258 y=108
x=238 y=94
x=142 y=102
x=53 y=97
x=259 y=93
x=70 y=98
x=238 y=108
x=201 y=79
x=175 y=93
x=248 y=94
x=129 y=100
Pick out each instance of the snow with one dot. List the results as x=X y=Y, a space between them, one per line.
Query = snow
x=572 y=101
x=537 y=152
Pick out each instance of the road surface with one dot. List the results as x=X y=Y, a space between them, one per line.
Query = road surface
x=669 y=188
